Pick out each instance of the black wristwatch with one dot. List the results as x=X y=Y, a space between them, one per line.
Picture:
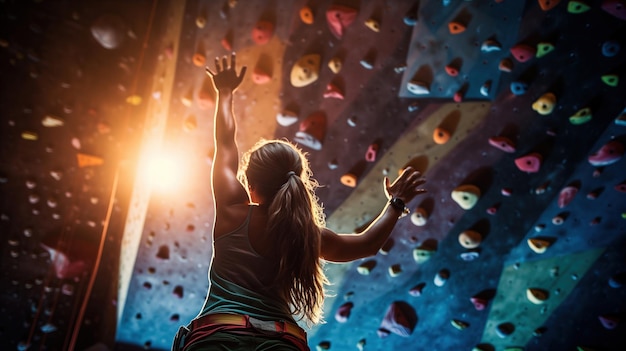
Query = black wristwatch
x=399 y=205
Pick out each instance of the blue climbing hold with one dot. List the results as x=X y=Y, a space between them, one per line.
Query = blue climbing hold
x=610 y=48
x=519 y=88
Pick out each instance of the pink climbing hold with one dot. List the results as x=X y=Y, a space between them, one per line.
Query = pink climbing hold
x=567 y=195
x=616 y=8
x=479 y=303
x=343 y=312
x=262 y=32
x=523 y=52
x=339 y=17
x=312 y=131
x=399 y=319
x=64 y=267
x=503 y=143
x=372 y=151
x=333 y=91
x=608 y=154
x=529 y=163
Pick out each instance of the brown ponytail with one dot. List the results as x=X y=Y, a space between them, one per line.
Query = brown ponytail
x=281 y=173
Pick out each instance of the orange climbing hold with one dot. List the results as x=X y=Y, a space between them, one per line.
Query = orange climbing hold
x=547 y=5
x=306 y=15
x=456 y=27
x=441 y=136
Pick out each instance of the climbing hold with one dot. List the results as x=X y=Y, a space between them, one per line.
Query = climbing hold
x=261 y=74
x=29 y=135
x=349 y=179
x=567 y=195
x=544 y=48
x=485 y=89
x=305 y=71
x=373 y=24
x=621 y=187
x=343 y=312
x=609 y=321
x=368 y=60
x=506 y=191
x=452 y=70
x=458 y=96
x=458 y=324
x=536 y=296
x=312 y=131
x=134 y=100
x=610 y=79
x=523 y=52
x=505 y=329
x=466 y=196
x=395 y=270
x=610 y=48
x=617 y=280
x=577 y=7
x=582 y=116
x=109 y=31
x=559 y=219
x=490 y=45
x=372 y=152
x=190 y=123
x=529 y=163
x=518 y=88
x=333 y=91
x=503 y=143
x=545 y=104
x=423 y=253
x=306 y=15
x=199 y=58
x=410 y=18
x=262 y=32
x=418 y=87
x=227 y=41
x=492 y=210
x=547 y=5
x=286 y=118
x=616 y=8
x=366 y=267
x=470 y=239
x=399 y=319
x=505 y=65
x=479 y=303
x=417 y=289
x=323 y=345
x=456 y=27
x=200 y=21
x=469 y=255
x=419 y=217
x=441 y=277
x=52 y=121
x=608 y=154
x=441 y=136
x=335 y=64
x=339 y=17
x=538 y=245
x=64 y=266
x=387 y=246
x=621 y=118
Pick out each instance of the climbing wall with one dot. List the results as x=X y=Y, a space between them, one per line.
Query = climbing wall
x=515 y=111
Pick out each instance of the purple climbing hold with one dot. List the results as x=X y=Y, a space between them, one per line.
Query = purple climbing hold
x=567 y=195
x=608 y=154
x=399 y=319
x=616 y=8
x=609 y=321
x=343 y=312
x=503 y=143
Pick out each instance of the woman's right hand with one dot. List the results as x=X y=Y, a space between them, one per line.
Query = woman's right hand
x=225 y=78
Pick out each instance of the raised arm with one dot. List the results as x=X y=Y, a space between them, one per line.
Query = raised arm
x=227 y=190
x=348 y=247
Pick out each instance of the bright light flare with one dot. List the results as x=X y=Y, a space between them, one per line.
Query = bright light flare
x=165 y=171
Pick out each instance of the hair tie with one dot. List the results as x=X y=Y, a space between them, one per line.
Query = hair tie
x=291 y=173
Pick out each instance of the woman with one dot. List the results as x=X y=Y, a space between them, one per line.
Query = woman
x=269 y=239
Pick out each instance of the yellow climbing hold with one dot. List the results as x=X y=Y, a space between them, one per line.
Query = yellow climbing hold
x=466 y=196
x=536 y=296
x=85 y=160
x=28 y=135
x=134 y=100
x=538 y=245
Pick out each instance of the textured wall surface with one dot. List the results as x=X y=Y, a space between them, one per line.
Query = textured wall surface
x=522 y=102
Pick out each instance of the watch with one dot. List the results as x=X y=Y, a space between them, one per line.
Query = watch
x=399 y=205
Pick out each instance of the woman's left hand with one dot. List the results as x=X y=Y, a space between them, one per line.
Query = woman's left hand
x=225 y=78
x=406 y=186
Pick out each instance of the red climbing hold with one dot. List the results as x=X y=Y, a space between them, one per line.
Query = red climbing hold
x=452 y=71
x=608 y=154
x=616 y=8
x=312 y=131
x=399 y=319
x=523 y=52
x=503 y=143
x=479 y=303
x=339 y=17
x=262 y=32
x=529 y=163
x=567 y=195
x=333 y=91
x=547 y=5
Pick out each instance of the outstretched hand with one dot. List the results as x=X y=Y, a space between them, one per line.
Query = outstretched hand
x=225 y=78
x=406 y=186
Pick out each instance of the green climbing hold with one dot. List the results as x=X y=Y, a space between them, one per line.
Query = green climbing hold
x=543 y=49
x=582 y=116
x=577 y=7
x=610 y=79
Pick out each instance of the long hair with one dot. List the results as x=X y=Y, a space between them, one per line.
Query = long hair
x=280 y=173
